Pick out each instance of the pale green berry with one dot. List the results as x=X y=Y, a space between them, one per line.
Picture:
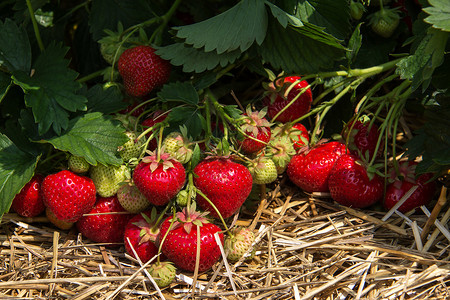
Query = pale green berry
x=107 y=179
x=132 y=199
x=263 y=170
x=132 y=148
x=177 y=146
x=163 y=273
x=238 y=243
x=78 y=164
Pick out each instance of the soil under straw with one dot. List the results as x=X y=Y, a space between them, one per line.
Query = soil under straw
x=308 y=247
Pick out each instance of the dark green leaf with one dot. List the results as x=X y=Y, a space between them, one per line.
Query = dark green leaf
x=196 y=60
x=51 y=91
x=5 y=83
x=294 y=51
x=283 y=17
x=196 y=156
x=16 y=169
x=179 y=92
x=237 y=28
x=106 y=14
x=15 y=50
x=186 y=116
x=104 y=99
x=333 y=16
x=354 y=44
x=233 y=111
x=439 y=12
x=93 y=136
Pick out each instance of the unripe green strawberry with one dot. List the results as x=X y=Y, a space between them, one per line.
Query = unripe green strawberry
x=263 y=170
x=132 y=148
x=132 y=199
x=178 y=147
x=280 y=150
x=78 y=164
x=356 y=10
x=238 y=243
x=384 y=22
x=163 y=273
x=107 y=179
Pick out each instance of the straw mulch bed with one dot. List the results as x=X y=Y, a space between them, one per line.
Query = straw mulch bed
x=308 y=247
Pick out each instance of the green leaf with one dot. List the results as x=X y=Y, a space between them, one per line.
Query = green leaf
x=51 y=90
x=237 y=28
x=333 y=16
x=15 y=49
x=354 y=44
x=5 y=84
x=16 y=169
x=106 y=14
x=428 y=55
x=439 y=14
x=283 y=17
x=186 y=116
x=196 y=60
x=300 y=49
x=179 y=92
x=94 y=137
x=104 y=99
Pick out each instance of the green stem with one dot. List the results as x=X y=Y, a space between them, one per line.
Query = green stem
x=165 y=20
x=215 y=209
x=35 y=26
x=166 y=234
x=91 y=76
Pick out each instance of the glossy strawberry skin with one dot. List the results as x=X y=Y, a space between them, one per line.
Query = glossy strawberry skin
x=361 y=139
x=29 y=201
x=226 y=183
x=104 y=228
x=159 y=186
x=421 y=196
x=250 y=146
x=180 y=247
x=350 y=185
x=142 y=70
x=310 y=170
x=275 y=102
x=68 y=195
x=146 y=250
x=299 y=139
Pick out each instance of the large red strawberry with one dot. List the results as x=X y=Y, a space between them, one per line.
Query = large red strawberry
x=142 y=70
x=310 y=169
x=400 y=186
x=362 y=140
x=28 y=202
x=226 y=184
x=278 y=99
x=141 y=233
x=258 y=130
x=351 y=185
x=159 y=178
x=155 y=118
x=68 y=195
x=180 y=243
x=105 y=223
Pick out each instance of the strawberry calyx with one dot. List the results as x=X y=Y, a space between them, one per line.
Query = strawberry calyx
x=189 y=216
x=148 y=225
x=155 y=159
x=405 y=172
x=255 y=122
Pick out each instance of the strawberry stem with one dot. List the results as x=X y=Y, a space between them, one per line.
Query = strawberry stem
x=166 y=234
x=35 y=26
x=214 y=207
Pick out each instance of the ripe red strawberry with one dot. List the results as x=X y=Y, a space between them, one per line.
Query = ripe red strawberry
x=299 y=136
x=28 y=202
x=68 y=195
x=255 y=126
x=57 y=222
x=310 y=170
x=142 y=70
x=155 y=118
x=277 y=99
x=361 y=141
x=159 y=179
x=133 y=109
x=399 y=187
x=103 y=224
x=140 y=231
x=350 y=184
x=226 y=184
x=180 y=244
